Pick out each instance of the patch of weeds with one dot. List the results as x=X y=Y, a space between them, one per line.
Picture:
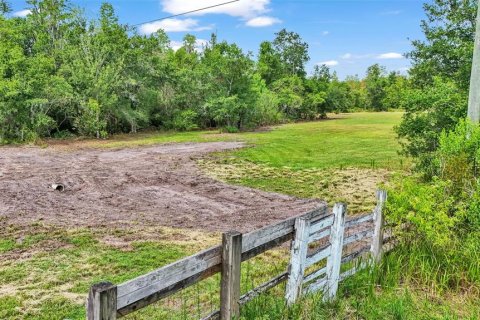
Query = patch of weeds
x=83 y=240
x=52 y=280
x=7 y=245
x=58 y=308
x=354 y=186
x=9 y=307
x=13 y=273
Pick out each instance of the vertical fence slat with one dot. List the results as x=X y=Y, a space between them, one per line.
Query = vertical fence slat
x=335 y=259
x=298 y=259
x=377 y=239
x=230 y=282
x=102 y=302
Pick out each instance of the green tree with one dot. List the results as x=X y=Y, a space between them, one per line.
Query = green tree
x=428 y=112
x=447 y=50
x=290 y=93
x=440 y=75
x=269 y=64
x=293 y=52
x=375 y=84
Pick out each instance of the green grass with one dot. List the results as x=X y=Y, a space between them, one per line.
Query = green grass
x=360 y=140
x=345 y=140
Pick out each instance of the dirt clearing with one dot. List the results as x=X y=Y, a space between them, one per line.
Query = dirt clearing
x=158 y=185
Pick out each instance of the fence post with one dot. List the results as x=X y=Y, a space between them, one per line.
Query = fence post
x=377 y=239
x=334 y=260
x=230 y=282
x=298 y=257
x=102 y=302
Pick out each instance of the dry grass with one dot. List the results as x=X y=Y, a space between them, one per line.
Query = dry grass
x=354 y=186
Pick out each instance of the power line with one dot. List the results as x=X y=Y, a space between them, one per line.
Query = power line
x=181 y=14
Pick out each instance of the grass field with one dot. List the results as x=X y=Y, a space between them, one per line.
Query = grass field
x=45 y=271
x=345 y=140
x=342 y=159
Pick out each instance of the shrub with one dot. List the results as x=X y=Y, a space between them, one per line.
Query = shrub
x=185 y=120
x=429 y=111
x=442 y=216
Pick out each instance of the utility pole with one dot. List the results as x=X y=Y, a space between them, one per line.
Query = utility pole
x=474 y=96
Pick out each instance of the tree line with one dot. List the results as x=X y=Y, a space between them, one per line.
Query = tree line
x=63 y=74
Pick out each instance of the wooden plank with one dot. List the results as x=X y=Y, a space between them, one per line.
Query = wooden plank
x=212 y=316
x=263 y=288
x=298 y=257
x=259 y=240
x=377 y=239
x=335 y=257
x=357 y=237
x=321 y=224
x=316 y=286
x=102 y=302
x=319 y=235
x=352 y=271
x=356 y=254
x=252 y=294
x=231 y=270
x=158 y=284
x=355 y=221
x=314 y=275
x=323 y=253
x=276 y=242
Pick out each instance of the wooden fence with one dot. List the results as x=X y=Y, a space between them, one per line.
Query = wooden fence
x=317 y=235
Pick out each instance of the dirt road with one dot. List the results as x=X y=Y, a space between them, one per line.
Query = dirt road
x=158 y=185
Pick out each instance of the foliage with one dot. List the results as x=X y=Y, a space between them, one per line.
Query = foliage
x=428 y=112
x=61 y=72
x=447 y=49
x=440 y=74
x=375 y=86
x=443 y=213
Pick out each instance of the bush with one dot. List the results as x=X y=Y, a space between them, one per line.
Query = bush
x=429 y=111
x=442 y=216
x=185 y=120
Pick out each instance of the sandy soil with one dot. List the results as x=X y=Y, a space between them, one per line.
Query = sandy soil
x=157 y=185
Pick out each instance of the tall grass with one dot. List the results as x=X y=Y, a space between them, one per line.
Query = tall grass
x=411 y=282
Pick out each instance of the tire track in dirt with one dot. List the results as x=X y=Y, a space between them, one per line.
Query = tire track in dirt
x=157 y=185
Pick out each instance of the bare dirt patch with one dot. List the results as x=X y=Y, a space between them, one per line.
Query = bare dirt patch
x=158 y=185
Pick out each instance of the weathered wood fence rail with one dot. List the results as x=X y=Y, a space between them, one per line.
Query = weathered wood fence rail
x=316 y=235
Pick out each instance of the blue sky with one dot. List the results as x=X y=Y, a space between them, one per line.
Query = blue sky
x=346 y=35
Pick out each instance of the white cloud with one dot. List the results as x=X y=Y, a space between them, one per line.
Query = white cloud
x=173 y=25
x=325 y=33
x=390 y=55
x=199 y=44
x=383 y=56
x=349 y=56
x=22 y=13
x=175 y=45
x=262 y=21
x=329 y=63
x=246 y=9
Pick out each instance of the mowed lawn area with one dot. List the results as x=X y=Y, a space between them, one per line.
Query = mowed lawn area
x=45 y=271
x=344 y=158
x=342 y=140
x=345 y=140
